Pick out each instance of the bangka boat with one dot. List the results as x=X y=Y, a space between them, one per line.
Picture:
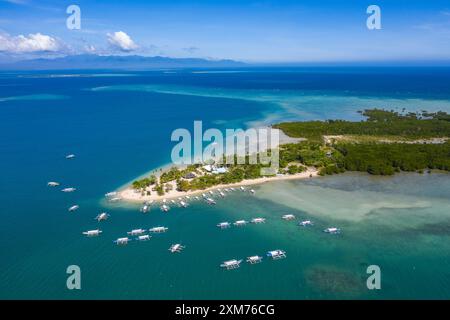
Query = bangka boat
x=70 y=156
x=240 y=223
x=176 y=248
x=305 y=223
x=242 y=188
x=231 y=264
x=197 y=198
x=165 y=208
x=252 y=191
x=276 y=254
x=224 y=225
x=145 y=209
x=222 y=194
x=210 y=201
x=136 y=232
x=183 y=204
x=102 y=217
x=254 y=259
x=73 y=208
x=68 y=190
x=288 y=217
x=158 y=229
x=92 y=233
x=258 y=220
x=122 y=241
x=332 y=230
x=53 y=184
x=145 y=237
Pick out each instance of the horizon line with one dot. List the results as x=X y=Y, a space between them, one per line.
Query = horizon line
x=268 y=63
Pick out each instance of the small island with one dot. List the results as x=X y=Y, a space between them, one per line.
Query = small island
x=384 y=143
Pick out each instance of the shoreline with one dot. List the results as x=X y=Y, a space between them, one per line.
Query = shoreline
x=130 y=195
x=284 y=139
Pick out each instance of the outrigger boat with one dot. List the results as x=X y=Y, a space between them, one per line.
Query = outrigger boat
x=222 y=194
x=204 y=195
x=145 y=209
x=165 y=208
x=68 y=189
x=188 y=198
x=53 y=184
x=276 y=254
x=210 y=201
x=197 y=198
x=136 y=232
x=102 y=217
x=145 y=237
x=254 y=259
x=231 y=264
x=258 y=220
x=211 y=193
x=122 y=241
x=240 y=223
x=242 y=188
x=70 y=156
x=224 y=225
x=92 y=233
x=332 y=230
x=183 y=204
x=288 y=217
x=176 y=248
x=158 y=229
x=73 y=208
x=252 y=191
x=305 y=223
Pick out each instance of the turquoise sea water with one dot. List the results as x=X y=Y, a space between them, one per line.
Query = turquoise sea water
x=119 y=127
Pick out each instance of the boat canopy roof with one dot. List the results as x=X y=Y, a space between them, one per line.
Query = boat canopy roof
x=254 y=258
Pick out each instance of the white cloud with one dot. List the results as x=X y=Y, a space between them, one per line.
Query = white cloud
x=36 y=42
x=89 y=48
x=122 y=41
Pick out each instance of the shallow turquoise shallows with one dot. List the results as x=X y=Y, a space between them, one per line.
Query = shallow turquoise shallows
x=119 y=127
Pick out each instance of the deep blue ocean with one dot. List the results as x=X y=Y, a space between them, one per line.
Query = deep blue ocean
x=119 y=125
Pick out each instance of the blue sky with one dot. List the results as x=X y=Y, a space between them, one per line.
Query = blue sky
x=254 y=31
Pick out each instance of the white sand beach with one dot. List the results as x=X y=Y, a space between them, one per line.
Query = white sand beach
x=131 y=195
x=127 y=193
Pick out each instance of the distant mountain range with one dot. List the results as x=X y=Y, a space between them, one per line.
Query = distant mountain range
x=90 y=61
